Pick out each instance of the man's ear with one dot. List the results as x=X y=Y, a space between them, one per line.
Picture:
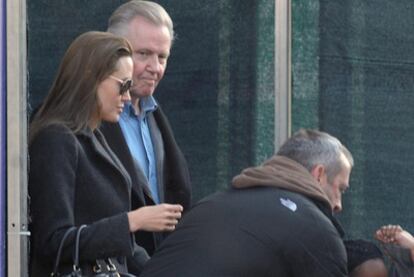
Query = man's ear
x=318 y=172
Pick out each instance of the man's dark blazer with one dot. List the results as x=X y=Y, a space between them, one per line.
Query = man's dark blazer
x=172 y=171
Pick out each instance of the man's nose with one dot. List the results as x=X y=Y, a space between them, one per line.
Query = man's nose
x=337 y=208
x=154 y=64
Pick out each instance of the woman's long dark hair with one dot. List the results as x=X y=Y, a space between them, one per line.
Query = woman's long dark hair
x=72 y=100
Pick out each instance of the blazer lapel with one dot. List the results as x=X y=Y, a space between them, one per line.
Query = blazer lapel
x=159 y=154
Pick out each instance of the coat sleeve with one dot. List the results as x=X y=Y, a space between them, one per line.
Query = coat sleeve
x=52 y=181
x=316 y=249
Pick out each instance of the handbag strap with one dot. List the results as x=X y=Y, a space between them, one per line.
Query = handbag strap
x=110 y=265
x=62 y=242
x=76 y=258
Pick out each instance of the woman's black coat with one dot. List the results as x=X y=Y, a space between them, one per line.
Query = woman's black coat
x=74 y=180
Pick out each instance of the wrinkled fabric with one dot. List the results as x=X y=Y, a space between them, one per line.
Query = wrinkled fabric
x=284 y=173
x=274 y=221
x=401 y=264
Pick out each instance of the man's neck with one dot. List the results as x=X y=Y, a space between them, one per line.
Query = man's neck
x=135 y=104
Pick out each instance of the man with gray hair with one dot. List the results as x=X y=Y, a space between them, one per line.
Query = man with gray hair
x=143 y=139
x=275 y=220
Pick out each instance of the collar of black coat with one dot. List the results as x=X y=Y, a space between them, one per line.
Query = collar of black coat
x=87 y=132
x=284 y=173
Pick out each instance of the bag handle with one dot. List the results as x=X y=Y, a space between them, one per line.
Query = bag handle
x=76 y=258
x=112 y=270
x=59 y=253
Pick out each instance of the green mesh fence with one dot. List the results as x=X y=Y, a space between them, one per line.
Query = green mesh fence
x=353 y=65
x=218 y=88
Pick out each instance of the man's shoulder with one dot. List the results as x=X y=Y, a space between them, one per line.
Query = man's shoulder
x=294 y=207
x=274 y=193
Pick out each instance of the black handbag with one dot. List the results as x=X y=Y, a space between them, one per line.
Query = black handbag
x=97 y=269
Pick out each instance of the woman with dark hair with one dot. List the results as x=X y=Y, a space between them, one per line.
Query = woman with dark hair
x=74 y=177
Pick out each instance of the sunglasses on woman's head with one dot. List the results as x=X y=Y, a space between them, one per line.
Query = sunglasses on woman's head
x=125 y=84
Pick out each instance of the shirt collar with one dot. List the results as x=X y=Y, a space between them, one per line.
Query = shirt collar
x=147 y=104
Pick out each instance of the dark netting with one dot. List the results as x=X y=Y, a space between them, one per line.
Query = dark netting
x=51 y=27
x=218 y=90
x=353 y=68
x=211 y=90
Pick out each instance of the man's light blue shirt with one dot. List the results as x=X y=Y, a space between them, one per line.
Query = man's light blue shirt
x=138 y=137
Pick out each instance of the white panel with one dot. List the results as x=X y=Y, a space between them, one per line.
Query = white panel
x=282 y=71
x=17 y=228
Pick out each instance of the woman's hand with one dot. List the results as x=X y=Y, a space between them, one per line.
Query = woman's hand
x=158 y=218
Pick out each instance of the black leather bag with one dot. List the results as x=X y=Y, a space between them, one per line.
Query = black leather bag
x=101 y=268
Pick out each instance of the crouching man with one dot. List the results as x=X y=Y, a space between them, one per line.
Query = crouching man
x=275 y=220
